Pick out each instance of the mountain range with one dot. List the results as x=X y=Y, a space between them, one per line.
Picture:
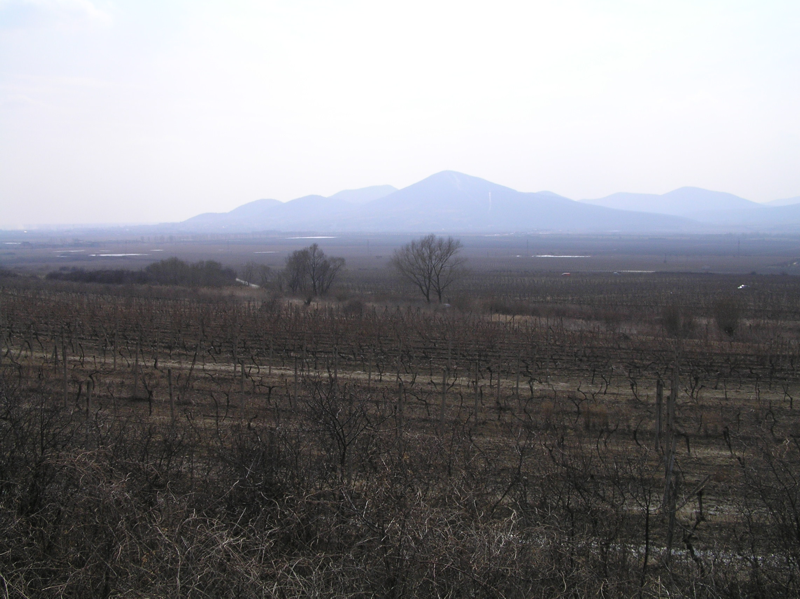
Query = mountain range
x=455 y=202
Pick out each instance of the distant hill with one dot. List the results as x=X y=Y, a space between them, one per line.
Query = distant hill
x=446 y=201
x=786 y=202
x=451 y=201
x=455 y=202
x=258 y=210
x=278 y=215
x=714 y=211
x=271 y=214
x=686 y=201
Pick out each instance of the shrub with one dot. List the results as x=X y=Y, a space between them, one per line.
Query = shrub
x=677 y=321
x=726 y=314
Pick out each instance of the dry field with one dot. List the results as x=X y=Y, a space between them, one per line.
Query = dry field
x=532 y=253
x=544 y=436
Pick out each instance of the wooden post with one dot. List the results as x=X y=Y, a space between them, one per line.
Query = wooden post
x=673 y=395
x=155 y=350
x=497 y=396
x=444 y=398
x=30 y=342
x=293 y=401
x=64 y=357
x=241 y=382
x=449 y=354
x=547 y=357
x=477 y=388
x=670 y=482
x=89 y=387
x=659 y=405
x=335 y=363
x=136 y=371
x=171 y=396
x=399 y=378
x=235 y=361
x=400 y=406
x=369 y=372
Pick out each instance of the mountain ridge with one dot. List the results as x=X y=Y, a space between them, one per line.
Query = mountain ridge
x=457 y=202
x=684 y=201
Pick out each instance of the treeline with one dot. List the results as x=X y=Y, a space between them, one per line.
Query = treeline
x=117 y=276
x=171 y=271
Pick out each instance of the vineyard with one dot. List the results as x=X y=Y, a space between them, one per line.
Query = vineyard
x=538 y=437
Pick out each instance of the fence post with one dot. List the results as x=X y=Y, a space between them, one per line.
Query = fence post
x=171 y=396
x=659 y=407
x=444 y=397
x=670 y=482
x=64 y=357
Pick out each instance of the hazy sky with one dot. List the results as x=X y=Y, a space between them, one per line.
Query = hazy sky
x=146 y=111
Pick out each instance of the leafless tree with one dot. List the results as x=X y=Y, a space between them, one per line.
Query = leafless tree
x=727 y=314
x=247 y=272
x=295 y=273
x=310 y=269
x=322 y=271
x=264 y=275
x=256 y=274
x=430 y=263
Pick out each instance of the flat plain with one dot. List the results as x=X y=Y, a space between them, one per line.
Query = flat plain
x=584 y=416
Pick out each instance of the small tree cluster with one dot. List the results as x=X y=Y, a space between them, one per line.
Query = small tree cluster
x=256 y=274
x=118 y=276
x=310 y=270
x=171 y=271
x=208 y=273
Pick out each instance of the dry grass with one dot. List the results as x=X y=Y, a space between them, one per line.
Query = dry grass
x=307 y=452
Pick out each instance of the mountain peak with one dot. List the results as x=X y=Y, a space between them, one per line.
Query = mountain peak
x=453 y=181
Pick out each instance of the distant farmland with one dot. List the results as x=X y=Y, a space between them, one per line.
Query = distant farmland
x=611 y=433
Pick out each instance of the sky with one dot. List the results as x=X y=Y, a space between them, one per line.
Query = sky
x=142 y=111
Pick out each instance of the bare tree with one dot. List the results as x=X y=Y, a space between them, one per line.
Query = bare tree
x=322 y=270
x=247 y=272
x=430 y=263
x=310 y=269
x=727 y=314
x=256 y=274
x=295 y=273
x=264 y=275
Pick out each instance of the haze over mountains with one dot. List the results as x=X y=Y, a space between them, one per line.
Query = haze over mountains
x=784 y=202
x=686 y=201
x=459 y=203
